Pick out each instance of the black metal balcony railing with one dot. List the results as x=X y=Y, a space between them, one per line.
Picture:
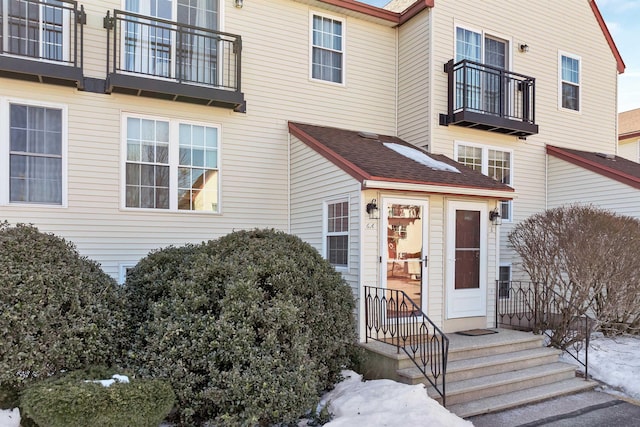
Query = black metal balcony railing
x=393 y=318
x=536 y=307
x=166 y=59
x=42 y=39
x=490 y=98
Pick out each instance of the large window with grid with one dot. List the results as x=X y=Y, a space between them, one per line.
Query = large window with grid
x=171 y=165
x=337 y=233
x=36 y=150
x=570 y=82
x=498 y=164
x=327 y=49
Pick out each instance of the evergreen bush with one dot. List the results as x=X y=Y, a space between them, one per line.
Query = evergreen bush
x=248 y=329
x=73 y=400
x=58 y=310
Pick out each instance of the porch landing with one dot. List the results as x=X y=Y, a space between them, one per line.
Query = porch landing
x=485 y=373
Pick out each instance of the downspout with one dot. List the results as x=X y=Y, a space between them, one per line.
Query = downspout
x=288 y=182
x=397 y=77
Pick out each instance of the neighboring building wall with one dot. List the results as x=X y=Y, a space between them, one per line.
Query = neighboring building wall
x=629 y=149
x=253 y=146
x=569 y=183
x=544 y=28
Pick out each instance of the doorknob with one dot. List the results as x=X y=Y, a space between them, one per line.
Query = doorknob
x=426 y=261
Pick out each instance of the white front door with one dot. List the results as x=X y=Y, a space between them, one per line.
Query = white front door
x=466 y=259
x=404 y=251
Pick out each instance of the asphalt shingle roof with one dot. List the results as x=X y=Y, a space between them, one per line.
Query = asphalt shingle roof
x=367 y=158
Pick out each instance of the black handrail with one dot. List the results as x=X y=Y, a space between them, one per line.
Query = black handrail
x=58 y=39
x=486 y=89
x=393 y=318
x=156 y=47
x=537 y=307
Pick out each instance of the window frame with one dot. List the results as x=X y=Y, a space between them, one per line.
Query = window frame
x=343 y=21
x=5 y=149
x=174 y=163
x=484 y=34
x=500 y=267
x=561 y=82
x=326 y=234
x=122 y=271
x=484 y=169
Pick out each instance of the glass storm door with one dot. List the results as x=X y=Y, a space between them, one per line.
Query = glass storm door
x=404 y=252
x=467 y=267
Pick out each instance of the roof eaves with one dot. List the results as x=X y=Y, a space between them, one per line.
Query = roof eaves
x=367 y=9
x=438 y=187
x=415 y=9
x=577 y=160
x=329 y=154
x=628 y=135
x=607 y=35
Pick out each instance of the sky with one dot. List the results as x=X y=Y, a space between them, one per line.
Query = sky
x=622 y=18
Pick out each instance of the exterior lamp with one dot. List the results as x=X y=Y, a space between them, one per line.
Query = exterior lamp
x=372 y=209
x=524 y=48
x=239 y=3
x=494 y=217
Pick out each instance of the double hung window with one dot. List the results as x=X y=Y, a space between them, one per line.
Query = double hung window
x=337 y=233
x=155 y=47
x=327 y=49
x=498 y=164
x=570 y=82
x=171 y=165
x=36 y=150
x=37 y=29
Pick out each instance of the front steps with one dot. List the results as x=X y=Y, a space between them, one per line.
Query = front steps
x=486 y=373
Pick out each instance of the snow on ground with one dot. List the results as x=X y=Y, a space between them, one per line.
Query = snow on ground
x=614 y=361
x=380 y=403
x=356 y=403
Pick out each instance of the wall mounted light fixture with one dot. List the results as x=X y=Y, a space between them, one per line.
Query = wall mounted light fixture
x=372 y=209
x=524 y=48
x=239 y=3
x=494 y=217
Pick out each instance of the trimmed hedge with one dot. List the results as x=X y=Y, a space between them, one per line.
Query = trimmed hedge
x=58 y=310
x=248 y=329
x=71 y=401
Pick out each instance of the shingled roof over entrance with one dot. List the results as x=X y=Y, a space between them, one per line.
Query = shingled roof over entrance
x=375 y=161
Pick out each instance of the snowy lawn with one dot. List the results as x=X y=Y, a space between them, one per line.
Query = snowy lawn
x=613 y=361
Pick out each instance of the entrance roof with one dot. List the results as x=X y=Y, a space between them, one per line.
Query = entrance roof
x=388 y=162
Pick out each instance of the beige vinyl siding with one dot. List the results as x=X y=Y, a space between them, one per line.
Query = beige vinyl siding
x=629 y=149
x=569 y=183
x=315 y=181
x=254 y=146
x=547 y=30
x=414 y=80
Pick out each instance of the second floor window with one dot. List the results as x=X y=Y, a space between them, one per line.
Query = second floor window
x=155 y=48
x=570 y=82
x=491 y=162
x=171 y=165
x=327 y=49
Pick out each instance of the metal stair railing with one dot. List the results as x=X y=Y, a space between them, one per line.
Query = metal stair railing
x=393 y=318
x=536 y=307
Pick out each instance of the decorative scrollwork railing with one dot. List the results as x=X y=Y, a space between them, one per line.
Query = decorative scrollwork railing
x=393 y=318
x=537 y=307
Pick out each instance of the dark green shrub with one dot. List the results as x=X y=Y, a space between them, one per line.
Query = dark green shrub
x=72 y=401
x=248 y=328
x=58 y=310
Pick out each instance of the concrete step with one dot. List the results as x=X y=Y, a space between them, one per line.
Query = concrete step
x=506 y=382
x=460 y=370
x=520 y=397
x=462 y=347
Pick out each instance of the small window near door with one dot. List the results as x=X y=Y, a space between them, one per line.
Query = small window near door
x=337 y=233
x=504 y=281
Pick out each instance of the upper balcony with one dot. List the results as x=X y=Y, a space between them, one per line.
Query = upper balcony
x=490 y=98
x=42 y=41
x=164 y=59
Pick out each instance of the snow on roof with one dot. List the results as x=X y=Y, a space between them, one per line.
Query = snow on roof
x=420 y=157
